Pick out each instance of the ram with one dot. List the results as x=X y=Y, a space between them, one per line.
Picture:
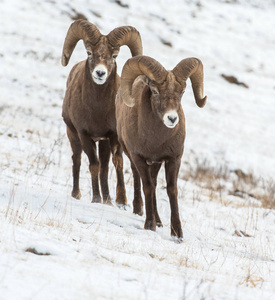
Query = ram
x=151 y=128
x=89 y=103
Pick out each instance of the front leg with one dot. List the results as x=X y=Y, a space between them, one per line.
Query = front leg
x=89 y=147
x=104 y=152
x=148 y=189
x=77 y=149
x=154 y=175
x=171 y=171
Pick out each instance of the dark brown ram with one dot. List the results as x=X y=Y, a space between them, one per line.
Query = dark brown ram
x=89 y=103
x=151 y=128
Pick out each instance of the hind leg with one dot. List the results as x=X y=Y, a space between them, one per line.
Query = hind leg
x=118 y=163
x=137 y=202
x=104 y=151
x=76 y=157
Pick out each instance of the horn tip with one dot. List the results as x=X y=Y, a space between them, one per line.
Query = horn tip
x=64 y=61
x=201 y=102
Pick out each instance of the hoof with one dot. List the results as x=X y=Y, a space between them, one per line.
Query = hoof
x=121 y=198
x=138 y=206
x=158 y=220
x=150 y=225
x=108 y=201
x=96 y=199
x=159 y=223
x=121 y=201
x=121 y=206
x=76 y=194
x=138 y=211
x=176 y=229
x=177 y=240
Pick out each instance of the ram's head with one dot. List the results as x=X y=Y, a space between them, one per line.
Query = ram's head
x=102 y=50
x=165 y=87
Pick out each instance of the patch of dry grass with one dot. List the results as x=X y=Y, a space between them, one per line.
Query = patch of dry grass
x=219 y=180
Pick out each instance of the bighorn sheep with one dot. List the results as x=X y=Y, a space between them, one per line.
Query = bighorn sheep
x=151 y=128
x=89 y=103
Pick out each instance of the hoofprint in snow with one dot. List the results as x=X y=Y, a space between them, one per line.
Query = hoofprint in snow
x=55 y=247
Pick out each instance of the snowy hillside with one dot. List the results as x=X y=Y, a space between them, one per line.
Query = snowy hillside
x=56 y=247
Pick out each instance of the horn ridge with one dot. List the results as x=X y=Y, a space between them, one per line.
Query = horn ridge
x=126 y=35
x=191 y=68
x=139 y=65
x=79 y=30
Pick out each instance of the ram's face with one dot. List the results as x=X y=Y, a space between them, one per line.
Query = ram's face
x=166 y=100
x=102 y=60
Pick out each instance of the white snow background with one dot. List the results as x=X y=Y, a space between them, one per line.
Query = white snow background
x=55 y=247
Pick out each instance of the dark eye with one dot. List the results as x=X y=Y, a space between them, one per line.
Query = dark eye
x=89 y=53
x=155 y=92
x=114 y=56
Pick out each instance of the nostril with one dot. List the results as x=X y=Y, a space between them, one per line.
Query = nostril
x=172 y=119
x=100 y=73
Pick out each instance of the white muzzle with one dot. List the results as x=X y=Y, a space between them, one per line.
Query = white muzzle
x=99 y=74
x=171 y=119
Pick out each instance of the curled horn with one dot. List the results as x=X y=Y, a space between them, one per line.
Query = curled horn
x=126 y=35
x=139 y=65
x=192 y=68
x=79 y=30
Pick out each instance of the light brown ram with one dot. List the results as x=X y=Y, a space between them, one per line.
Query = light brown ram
x=89 y=103
x=151 y=128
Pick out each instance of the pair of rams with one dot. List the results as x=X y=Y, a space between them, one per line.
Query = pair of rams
x=140 y=114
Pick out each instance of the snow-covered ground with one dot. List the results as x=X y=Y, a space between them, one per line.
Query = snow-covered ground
x=55 y=247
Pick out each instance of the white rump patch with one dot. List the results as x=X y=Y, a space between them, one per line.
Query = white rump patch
x=100 y=74
x=171 y=119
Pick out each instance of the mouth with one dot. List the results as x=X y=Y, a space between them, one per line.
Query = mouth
x=170 y=125
x=99 y=80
